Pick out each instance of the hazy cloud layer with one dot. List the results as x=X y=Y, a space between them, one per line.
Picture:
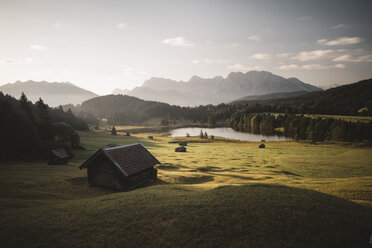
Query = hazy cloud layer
x=240 y=67
x=310 y=67
x=341 y=41
x=38 y=47
x=255 y=38
x=350 y=58
x=261 y=56
x=178 y=41
x=339 y=26
x=312 y=55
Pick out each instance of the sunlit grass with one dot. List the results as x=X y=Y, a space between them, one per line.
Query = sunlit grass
x=219 y=184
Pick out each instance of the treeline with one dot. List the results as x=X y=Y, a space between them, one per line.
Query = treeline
x=255 y=123
x=28 y=131
x=318 y=129
x=351 y=99
x=300 y=127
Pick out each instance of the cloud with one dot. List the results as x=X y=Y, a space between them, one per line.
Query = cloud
x=23 y=61
x=349 y=58
x=339 y=26
x=38 y=47
x=217 y=60
x=240 y=67
x=178 y=41
x=288 y=67
x=309 y=67
x=312 y=55
x=255 y=38
x=209 y=61
x=122 y=25
x=284 y=55
x=261 y=56
x=131 y=70
x=322 y=67
x=340 y=41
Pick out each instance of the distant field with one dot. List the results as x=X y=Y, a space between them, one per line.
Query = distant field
x=366 y=119
x=217 y=194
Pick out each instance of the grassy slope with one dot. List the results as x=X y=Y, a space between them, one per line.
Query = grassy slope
x=207 y=197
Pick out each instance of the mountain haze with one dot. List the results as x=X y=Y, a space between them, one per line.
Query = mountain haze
x=199 y=91
x=53 y=94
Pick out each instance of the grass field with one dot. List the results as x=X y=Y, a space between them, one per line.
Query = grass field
x=217 y=194
x=365 y=119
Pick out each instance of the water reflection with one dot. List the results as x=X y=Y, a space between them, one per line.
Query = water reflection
x=226 y=132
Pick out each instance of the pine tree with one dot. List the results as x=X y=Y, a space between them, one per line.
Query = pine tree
x=113 y=130
x=26 y=106
x=43 y=121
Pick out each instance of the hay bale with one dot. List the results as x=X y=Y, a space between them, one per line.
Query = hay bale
x=183 y=143
x=180 y=149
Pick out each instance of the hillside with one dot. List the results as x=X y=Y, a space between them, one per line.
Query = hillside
x=353 y=99
x=54 y=94
x=269 y=97
x=126 y=109
x=202 y=91
x=220 y=194
x=350 y=99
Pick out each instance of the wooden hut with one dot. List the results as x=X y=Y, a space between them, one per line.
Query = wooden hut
x=180 y=149
x=121 y=167
x=58 y=157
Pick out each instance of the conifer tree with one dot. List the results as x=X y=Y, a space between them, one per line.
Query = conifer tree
x=113 y=130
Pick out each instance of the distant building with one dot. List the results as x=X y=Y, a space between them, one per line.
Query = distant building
x=121 y=167
x=58 y=157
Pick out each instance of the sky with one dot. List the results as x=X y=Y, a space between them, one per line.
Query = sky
x=103 y=45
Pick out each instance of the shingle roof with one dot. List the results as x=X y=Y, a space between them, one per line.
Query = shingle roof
x=129 y=159
x=60 y=153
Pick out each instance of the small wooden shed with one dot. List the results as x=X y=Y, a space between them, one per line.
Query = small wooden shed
x=58 y=157
x=121 y=167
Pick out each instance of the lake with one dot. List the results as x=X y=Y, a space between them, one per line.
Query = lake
x=226 y=132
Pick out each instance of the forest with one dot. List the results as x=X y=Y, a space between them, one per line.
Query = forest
x=300 y=127
x=30 y=130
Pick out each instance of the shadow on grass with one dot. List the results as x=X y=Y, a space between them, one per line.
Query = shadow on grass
x=238 y=177
x=286 y=173
x=169 y=166
x=191 y=180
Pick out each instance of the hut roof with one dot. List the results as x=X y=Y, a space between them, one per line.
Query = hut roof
x=60 y=153
x=129 y=159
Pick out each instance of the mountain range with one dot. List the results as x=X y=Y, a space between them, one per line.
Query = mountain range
x=53 y=94
x=196 y=91
x=202 y=91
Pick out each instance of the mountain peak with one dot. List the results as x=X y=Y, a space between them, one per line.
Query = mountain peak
x=198 y=91
x=53 y=93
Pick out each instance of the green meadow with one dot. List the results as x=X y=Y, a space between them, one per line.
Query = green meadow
x=220 y=193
